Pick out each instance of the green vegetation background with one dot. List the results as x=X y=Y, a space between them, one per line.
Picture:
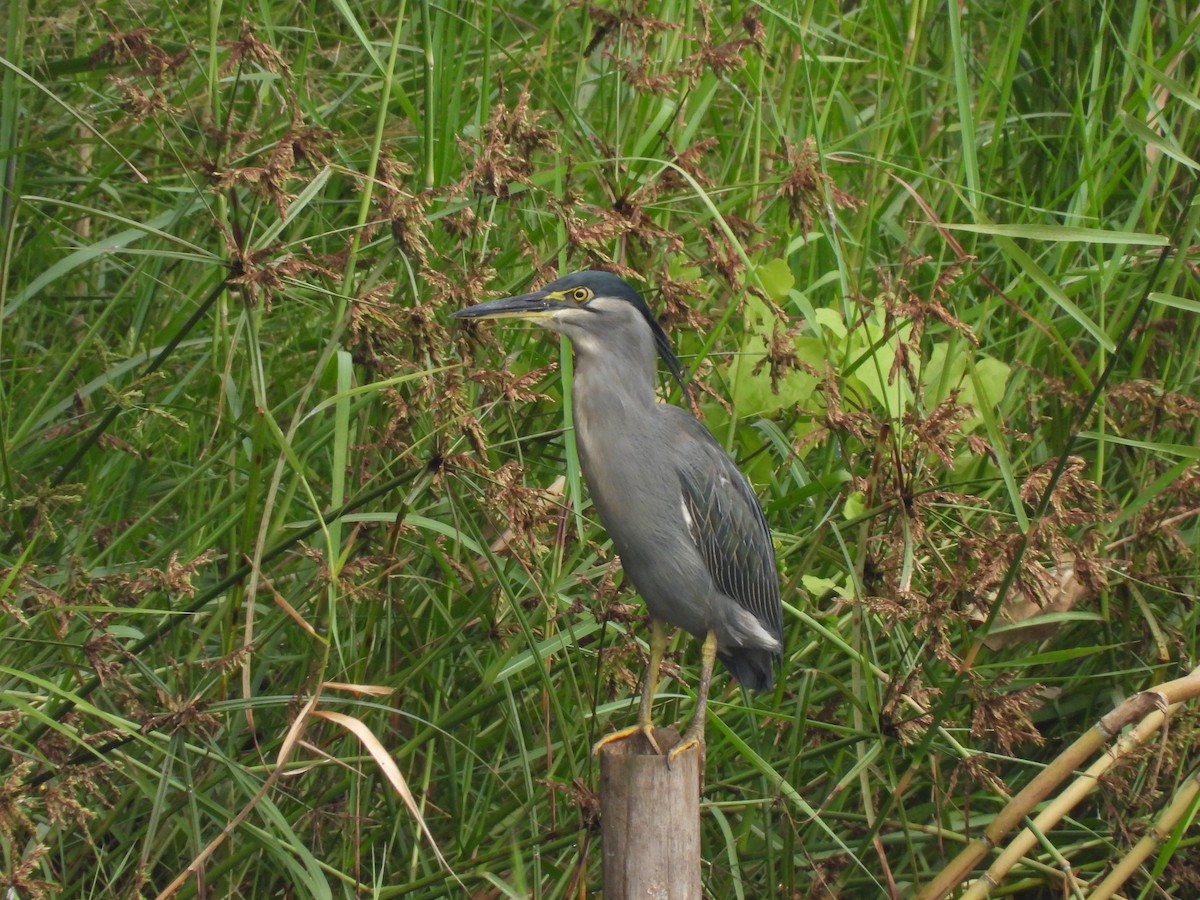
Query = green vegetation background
x=270 y=519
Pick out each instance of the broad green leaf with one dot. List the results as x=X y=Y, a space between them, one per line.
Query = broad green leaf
x=992 y=381
x=943 y=377
x=755 y=395
x=831 y=321
x=819 y=587
x=876 y=351
x=776 y=279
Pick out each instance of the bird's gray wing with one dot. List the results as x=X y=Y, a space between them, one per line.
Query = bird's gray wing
x=727 y=524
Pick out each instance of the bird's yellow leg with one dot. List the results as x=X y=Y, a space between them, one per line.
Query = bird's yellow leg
x=694 y=736
x=645 y=724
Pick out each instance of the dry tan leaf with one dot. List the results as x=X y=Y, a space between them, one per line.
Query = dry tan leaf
x=385 y=762
x=1022 y=608
x=366 y=690
x=292 y=613
x=290 y=741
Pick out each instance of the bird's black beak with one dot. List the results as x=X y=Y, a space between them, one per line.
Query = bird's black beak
x=536 y=305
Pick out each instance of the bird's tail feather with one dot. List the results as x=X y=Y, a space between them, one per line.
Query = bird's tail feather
x=753 y=668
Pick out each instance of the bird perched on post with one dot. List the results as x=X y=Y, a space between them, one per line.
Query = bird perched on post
x=688 y=528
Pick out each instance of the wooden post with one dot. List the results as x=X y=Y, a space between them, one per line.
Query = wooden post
x=650 y=820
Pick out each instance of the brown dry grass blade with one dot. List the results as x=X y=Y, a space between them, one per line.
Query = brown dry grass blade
x=385 y=762
x=290 y=740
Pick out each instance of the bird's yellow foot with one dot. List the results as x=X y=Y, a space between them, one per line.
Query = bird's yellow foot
x=691 y=738
x=644 y=728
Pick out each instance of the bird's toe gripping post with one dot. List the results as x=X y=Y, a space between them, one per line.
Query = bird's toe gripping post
x=645 y=729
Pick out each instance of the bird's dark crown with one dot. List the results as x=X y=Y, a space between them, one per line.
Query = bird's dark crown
x=608 y=285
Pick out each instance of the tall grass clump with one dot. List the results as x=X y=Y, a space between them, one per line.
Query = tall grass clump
x=300 y=590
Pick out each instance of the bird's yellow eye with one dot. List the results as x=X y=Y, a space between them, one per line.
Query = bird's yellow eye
x=580 y=295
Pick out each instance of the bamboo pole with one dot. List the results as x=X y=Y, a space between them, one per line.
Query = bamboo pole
x=650 y=820
x=1151 y=707
x=1181 y=806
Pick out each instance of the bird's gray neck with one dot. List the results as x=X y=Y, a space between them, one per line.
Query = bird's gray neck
x=613 y=393
x=626 y=377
